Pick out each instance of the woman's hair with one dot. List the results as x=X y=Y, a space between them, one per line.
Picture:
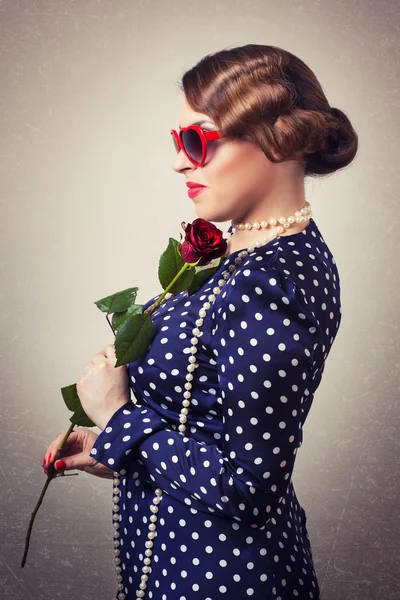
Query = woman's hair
x=268 y=96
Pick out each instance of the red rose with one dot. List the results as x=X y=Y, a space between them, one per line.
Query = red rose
x=203 y=241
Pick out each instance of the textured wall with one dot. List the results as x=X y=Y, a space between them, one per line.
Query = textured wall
x=88 y=96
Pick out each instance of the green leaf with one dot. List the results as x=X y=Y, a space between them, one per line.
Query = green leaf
x=133 y=338
x=119 y=317
x=169 y=266
x=80 y=418
x=184 y=281
x=118 y=302
x=73 y=404
x=171 y=262
x=203 y=274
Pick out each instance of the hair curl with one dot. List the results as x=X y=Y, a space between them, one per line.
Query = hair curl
x=268 y=96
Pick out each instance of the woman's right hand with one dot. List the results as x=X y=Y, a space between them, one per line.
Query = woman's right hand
x=75 y=453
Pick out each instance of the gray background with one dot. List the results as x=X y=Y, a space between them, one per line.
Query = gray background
x=88 y=95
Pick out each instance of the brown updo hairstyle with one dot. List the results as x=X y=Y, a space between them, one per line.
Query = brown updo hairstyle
x=268 y=96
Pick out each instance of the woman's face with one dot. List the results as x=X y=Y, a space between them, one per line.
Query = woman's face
x=238 y=175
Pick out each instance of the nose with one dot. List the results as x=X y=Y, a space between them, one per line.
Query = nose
x=181 y=162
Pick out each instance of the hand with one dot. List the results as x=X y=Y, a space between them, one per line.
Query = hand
x=75 y=453
x=102 y=388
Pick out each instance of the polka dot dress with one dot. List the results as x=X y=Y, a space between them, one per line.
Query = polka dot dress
x=229 y=521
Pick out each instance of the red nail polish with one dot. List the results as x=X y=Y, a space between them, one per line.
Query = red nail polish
x=60 y=464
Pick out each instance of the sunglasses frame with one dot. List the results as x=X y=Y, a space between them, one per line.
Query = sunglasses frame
x=205 y=136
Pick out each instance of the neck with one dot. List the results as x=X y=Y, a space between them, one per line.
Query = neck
x=286 y=196
x=242 y=238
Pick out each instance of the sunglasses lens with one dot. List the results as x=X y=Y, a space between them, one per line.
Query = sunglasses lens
x=175 y=142
x=192 y=143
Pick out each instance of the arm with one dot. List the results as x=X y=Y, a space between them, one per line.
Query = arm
x=264 y=347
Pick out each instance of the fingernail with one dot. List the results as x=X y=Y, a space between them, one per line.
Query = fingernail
x=60 y=464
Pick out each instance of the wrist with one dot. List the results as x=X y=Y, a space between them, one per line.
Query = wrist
x=106 y=417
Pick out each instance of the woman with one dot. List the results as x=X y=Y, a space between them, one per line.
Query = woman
x=202 y=461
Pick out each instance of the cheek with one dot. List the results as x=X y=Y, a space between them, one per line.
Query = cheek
x=238 y=170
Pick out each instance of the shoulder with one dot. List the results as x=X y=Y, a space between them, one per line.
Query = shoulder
x=256 y=279
x=262 y=287
x=263 y=294
x=261 y=314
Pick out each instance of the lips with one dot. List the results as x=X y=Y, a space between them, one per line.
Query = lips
x=195 y=190
x=194 y=184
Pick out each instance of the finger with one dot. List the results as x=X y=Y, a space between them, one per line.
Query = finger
x=53 y=452
x=51 y=449
x=109 y=351
x=79 y=461
x=97 y=358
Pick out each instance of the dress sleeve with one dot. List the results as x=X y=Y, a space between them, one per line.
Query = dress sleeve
x=264 y=341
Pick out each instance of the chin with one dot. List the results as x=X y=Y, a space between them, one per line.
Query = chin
x=203 y=214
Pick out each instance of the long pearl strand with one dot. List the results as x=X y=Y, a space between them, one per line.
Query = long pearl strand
x=302 y=215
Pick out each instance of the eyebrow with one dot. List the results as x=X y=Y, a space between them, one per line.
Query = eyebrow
x=200 y=123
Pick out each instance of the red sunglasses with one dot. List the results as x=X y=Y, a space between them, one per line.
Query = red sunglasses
x=193 y=142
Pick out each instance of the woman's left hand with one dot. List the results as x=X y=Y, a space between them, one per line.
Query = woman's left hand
x=102 y=388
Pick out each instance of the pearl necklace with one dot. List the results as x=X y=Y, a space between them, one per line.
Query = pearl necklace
x=302 y=215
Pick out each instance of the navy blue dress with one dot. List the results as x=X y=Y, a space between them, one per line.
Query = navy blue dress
x=229 y=521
